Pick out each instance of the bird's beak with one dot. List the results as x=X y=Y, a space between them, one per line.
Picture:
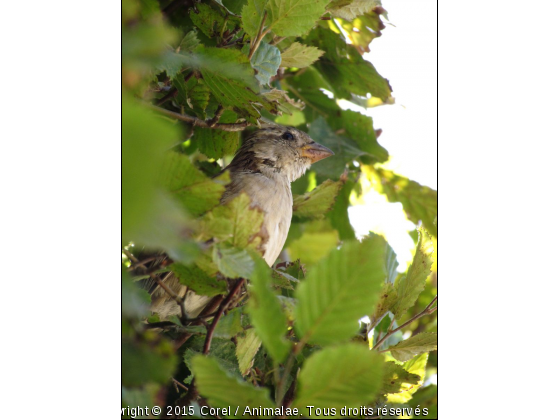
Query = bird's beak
x=316 y=151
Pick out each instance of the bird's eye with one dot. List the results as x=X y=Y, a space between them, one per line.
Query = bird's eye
x=287 y=136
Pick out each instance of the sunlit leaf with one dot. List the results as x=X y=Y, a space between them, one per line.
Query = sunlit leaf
x=312 y=247
x=396 y=379
x=339 y=290
x=410 y=286
x=247 y=347
x=420 y=343
x=191 y=187
x=252 y=15
x=354 y=9
x=299 y=55
x=419 y=202
x=236 y=222
x=317 y=203
x=293 y=17
x=416 y=366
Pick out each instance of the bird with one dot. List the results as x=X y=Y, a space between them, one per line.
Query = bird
x=266 y=164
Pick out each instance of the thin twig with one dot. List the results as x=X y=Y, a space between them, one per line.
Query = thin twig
x=219 y=313
x=171 y=94
x=200 y=123
x=217 y=116
x=426 y=311
x=277 y=40
x=260 y=35
x=180 y=384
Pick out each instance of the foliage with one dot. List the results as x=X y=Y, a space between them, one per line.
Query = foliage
x=194 y=75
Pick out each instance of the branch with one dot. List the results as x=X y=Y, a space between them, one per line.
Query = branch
x=426 y=311
x=219 y=313
x=198 y=122
x=260 y=35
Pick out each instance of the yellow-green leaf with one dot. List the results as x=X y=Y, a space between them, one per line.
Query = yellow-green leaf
x=299 y=55
x=420 y=343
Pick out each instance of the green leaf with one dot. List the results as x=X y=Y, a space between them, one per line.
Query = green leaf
x=147 y=358
x=420 y=343
x=345 y=69
x=283 y=101
x=236 y=222
x=299 y=55
x=145 y=140
x=419 y=202
x=364 y=29
x=189 y=42
x=317 y=203
x=391 y=265
x=346 y=375
x=135 y=302
x=149 y=216
x=233 y=63
x=247 y=347
x=396 y=379
x=207 y=19
x=229 y=325
x=223 y=390
x=230 y=77
x=252 y=15
x=222 y=350
x=313 y=246
x=216 y=144
x=173 y=63
x=295 y=269
x=283 y=280
x=339 y=290
x=388 y=298
x=359 y=128
x=416 y=366
x=233 y=262
x=196 y=279
x=345 y=150
x=410 y=287
x=193 y=94
x=294 y=17
x=266 y=61
x=339 y=214
x=354 y=9
x=190 y=186
x=266 y=312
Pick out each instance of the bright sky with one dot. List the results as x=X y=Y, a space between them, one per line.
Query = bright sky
x=406 y=54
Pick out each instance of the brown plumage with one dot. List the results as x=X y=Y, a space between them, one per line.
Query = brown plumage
x=264 y=167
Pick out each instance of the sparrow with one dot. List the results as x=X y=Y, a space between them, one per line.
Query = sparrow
x=264 y=167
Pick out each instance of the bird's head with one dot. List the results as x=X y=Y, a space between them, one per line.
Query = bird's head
x=276 y=149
